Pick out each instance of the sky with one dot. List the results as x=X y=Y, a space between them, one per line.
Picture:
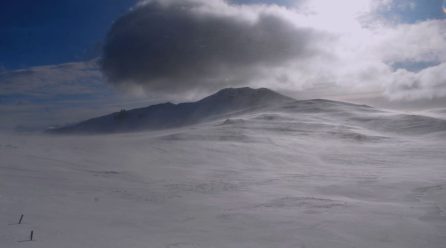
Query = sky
x=49 y=32
x=65 y=60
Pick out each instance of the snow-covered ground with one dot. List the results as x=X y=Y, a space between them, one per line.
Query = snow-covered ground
x=293 y=177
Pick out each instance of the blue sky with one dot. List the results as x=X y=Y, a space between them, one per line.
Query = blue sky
x=54 y=31
x=421 y=10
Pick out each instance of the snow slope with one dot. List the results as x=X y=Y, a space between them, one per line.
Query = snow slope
x=169 y=115
x=233 y=102
x=300 y=174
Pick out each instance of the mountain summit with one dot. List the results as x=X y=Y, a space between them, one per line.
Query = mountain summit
x=168 y=115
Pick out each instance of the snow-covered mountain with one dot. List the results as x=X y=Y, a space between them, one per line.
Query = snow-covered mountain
x=233 y=103
x=230 y=101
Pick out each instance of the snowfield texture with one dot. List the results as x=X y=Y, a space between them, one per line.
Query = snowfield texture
x=308 y=174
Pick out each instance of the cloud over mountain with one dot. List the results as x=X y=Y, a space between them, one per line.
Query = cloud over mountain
x=181 y=47
x=171 y=46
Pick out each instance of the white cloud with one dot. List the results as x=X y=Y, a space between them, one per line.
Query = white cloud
x=420 y=42
x=429 y=83
x=70 y=78
x=365 y=52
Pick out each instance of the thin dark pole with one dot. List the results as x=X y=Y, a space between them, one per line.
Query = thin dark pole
x=21 y=218
x=31 y=235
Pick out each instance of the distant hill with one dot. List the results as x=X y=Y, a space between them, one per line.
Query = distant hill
x=168 y=115
x=237 y=102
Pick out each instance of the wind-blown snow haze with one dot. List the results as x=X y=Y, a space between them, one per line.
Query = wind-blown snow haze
x=223 y=124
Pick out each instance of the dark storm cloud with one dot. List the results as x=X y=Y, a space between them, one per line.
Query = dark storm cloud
x=170 y=46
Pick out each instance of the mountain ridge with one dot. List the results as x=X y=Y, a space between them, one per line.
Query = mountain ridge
x=169 y=115
x=239 y=102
